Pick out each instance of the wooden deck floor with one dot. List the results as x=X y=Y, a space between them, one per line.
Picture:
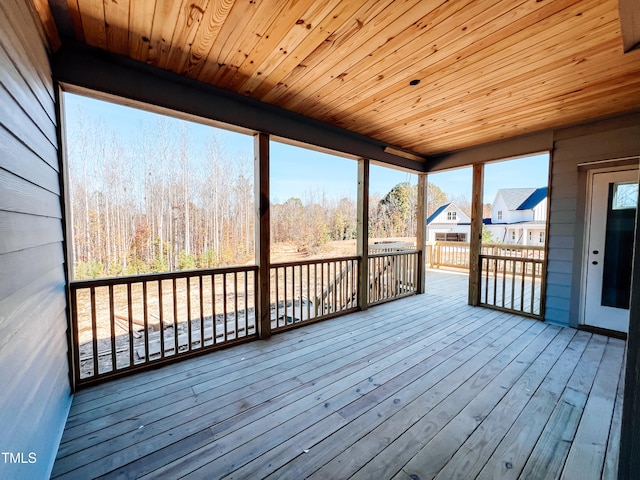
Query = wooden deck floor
x=425 y=387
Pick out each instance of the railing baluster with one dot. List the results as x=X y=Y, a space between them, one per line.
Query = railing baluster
x=224 y=303
x=161 y=321
x=522 y=286
x=175 y=312
x=513 y=283
x=504 y=281
x=214 y=321
x=235 y=305
x=495 y=279
x=130 y=322
x=112 y=325
x=246 y=303
x=308 y=293
x=533 y=286
x=301 y=278
x=94 y=331
x=189 y=323
x=486 y=287
x=145 y=306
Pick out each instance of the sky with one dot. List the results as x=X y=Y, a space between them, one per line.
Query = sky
x=308 y=174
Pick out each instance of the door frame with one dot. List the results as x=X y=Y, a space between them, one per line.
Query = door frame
x=587 y=226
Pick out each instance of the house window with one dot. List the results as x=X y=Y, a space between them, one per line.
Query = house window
x=513 y=234
x=451 y=216
x=530 y=236
x=499 y=214
x=541 y=237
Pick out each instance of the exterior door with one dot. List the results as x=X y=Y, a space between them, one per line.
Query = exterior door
x=613 y=203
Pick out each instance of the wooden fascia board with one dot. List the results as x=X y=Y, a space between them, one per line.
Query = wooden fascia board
x=76 y=65
x=508 y=148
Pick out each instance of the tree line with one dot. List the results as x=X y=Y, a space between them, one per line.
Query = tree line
x=167 y=202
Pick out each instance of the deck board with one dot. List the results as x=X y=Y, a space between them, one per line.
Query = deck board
x=424 y=387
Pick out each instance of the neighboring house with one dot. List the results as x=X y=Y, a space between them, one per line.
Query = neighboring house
x=448 y=224
x=519 y=216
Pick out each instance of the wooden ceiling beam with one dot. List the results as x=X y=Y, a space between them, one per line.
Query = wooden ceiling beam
x=87 y=70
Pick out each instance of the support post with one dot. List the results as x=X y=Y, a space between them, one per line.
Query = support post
x=363 y=233
x=262 y=234
x=421 y=233
x=475 y=240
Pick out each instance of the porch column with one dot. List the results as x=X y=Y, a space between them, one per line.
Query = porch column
x=475 y=237
x=262 y=229
x=421 y=231
x=363 y=233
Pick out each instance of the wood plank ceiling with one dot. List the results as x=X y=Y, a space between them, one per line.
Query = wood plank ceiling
x=487 y=69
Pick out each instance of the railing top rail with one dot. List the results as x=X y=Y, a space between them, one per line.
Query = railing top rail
x=150 y=277
x=451 y=243
x=295 y=263
x=502 y=246
x=391 y=254
x=513 y=259
x=508 y=246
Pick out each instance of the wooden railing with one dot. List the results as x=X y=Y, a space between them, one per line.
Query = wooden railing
x=127 y=323
x=513 y=283
x=449 y=254
x=311 y=290
x=393 y=275
x=512 y=277
x=456 y=254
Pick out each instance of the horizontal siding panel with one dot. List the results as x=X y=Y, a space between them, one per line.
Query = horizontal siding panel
x=44 y=415
x=561 y=241
x=28 y=231
x=560 y=267
x=564 y=204
x=33 y=343
x=562 y=181
x=564 y=191
x=559 y=291
x=18 y=195
x=16 y=84
x=556 y=303
x=555 y=278
x=562 y=229
x=559 y=316
x=564 y=255
x=19 y=160
x=563 y=166
x=30 y=303
x=20 y=268
x=14 y=119
x=563 y=216
x=606 y=145
x=33 y=306
x=23 y=43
